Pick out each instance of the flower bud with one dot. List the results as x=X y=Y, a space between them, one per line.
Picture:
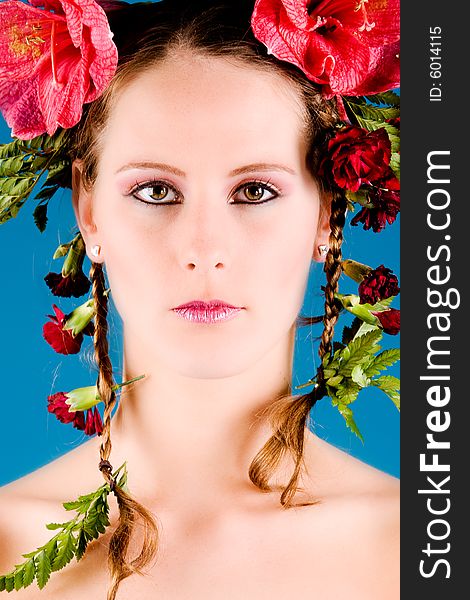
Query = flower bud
x=355 y=270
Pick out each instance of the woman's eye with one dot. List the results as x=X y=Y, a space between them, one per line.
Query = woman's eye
x=155 y=193
x=255 y=193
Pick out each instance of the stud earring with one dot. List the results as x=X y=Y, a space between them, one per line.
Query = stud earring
x=95 y=250
x=323 y=249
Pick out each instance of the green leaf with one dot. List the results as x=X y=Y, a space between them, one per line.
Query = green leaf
x=382 y=361
x=11 y=166
x=43 y=569
x=395 y=164
x=351 y=302
x=359 y=349
x=348 y=392
x=390 y=98
x=53 y=526
x=374 y=112
x=40 y=216
x=335 y=381
x=365 y=328
x=82 y=504
x=91 y=520
x=350 y=422
x=29 y=571
x=18 y=578
x=391 y=386
x=361 y=197
x=359 y=377
x=46 y=191
x=66 y=551
x=372 y=125
x=9 y=582
x=82 y=543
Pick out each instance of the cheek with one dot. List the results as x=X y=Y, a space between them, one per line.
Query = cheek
x=130 y=255
x=286 y=254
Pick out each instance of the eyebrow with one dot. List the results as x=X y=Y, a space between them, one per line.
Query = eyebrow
x=179 y=173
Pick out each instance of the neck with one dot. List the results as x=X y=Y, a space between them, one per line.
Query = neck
x=185 y=438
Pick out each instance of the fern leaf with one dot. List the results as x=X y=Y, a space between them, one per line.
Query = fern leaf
x=382 y=361
x=43 y=569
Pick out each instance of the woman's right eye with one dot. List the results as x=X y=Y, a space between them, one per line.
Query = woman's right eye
x=156 y=192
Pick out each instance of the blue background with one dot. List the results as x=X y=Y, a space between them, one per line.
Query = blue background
x=31 y=370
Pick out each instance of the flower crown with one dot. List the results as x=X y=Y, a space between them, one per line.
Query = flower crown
x=58 y=55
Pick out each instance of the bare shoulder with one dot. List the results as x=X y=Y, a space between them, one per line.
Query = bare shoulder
x=360 y=506
x=29 y=503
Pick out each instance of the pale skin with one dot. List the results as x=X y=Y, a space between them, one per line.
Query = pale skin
x=190 y=429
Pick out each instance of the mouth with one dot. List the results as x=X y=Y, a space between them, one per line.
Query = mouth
x=213 y=311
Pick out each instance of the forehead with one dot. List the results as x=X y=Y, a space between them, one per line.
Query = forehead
x=194 y=106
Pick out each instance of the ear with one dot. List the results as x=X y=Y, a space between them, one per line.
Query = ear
x=82 y=202
x=323 y=229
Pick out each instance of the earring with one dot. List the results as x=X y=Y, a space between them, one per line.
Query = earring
x=95 y=250
x=323 y=249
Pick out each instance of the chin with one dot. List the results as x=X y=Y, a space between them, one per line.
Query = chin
x=211 y=366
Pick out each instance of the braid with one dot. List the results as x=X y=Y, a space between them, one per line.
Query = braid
x=105 y=382
x=289 y=414
x=333 y=272
x=118 y=565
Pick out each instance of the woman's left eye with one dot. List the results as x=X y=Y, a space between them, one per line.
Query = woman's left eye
x=255 y=192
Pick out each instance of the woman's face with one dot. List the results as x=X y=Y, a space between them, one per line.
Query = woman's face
x=203 y=193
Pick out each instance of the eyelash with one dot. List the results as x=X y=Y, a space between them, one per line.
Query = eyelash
x=266 y=185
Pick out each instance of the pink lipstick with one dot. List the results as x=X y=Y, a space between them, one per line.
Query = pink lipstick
x=199 y=311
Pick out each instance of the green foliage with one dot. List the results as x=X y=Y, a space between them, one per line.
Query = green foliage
x=372 y=112
x=72 y=539
x=352 y=303
x=353 y=367
x=395 y=164
x=22 y=165
x=388 y=98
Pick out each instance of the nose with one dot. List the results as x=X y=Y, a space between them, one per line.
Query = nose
x=206 y=236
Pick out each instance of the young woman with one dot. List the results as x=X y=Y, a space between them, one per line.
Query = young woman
x=199 y=184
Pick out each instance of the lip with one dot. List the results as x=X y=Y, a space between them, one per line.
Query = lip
x=199 y=311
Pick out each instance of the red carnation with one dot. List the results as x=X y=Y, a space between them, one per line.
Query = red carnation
x=389 y=319
x=385 y=200
x=357 y=156
x=74 y=284
x=91 y=425
x=53 y=60
x=93 y=422
x=62 y=340
x=351 y=47
x=378 y=285
x=395 y=122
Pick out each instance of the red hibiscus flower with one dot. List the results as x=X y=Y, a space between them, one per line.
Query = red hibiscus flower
x=350 y=47
x=389 y=319
x=52 y=61
x=385 y=200
x=91 y=425
x=356 y=156
x=62 y=340
x=378 y=285
x=74 y=284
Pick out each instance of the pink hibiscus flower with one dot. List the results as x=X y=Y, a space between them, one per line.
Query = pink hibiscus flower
x=52 y=61
x=350 y=47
